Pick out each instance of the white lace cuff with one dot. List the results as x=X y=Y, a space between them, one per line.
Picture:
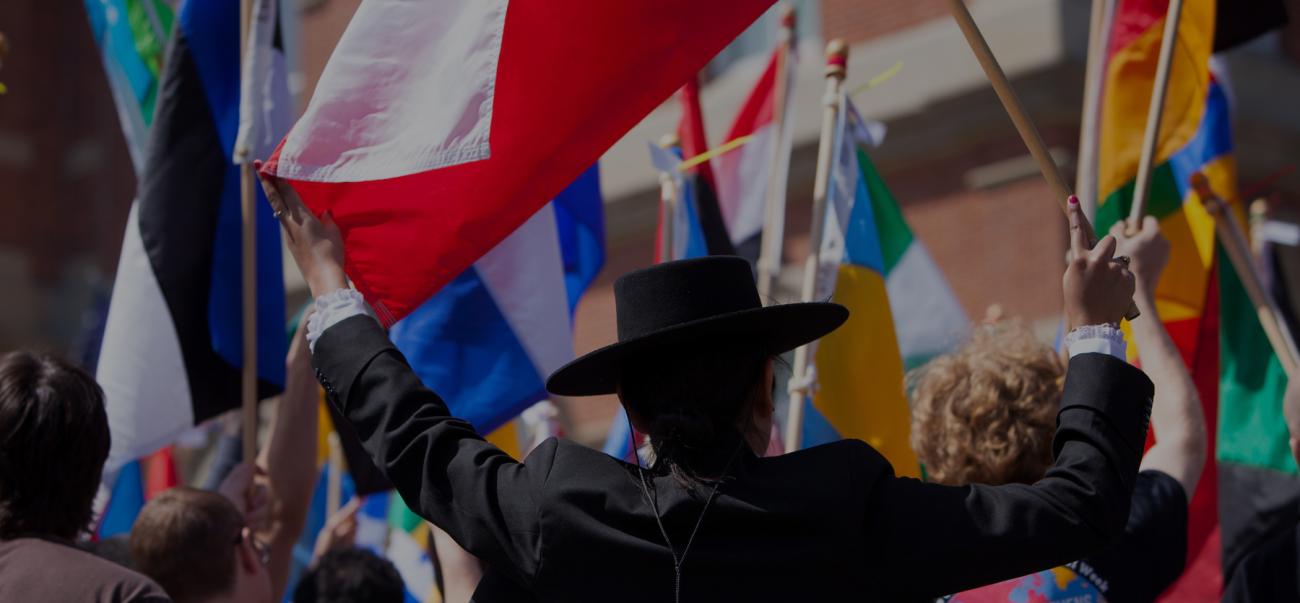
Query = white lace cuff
x=1101 y=339
x=331 y=309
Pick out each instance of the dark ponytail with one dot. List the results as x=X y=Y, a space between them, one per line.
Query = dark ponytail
x=690 y=400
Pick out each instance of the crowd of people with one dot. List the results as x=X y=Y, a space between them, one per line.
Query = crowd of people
x=1034 y=460
x=233 y=541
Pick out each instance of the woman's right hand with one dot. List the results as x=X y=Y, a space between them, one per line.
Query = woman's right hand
x=316 y=245
x=1098 y=287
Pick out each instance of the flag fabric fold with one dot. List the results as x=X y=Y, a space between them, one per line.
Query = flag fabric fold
x=437 y=129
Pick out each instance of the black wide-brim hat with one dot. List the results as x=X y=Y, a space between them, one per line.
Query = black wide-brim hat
x=688 y=304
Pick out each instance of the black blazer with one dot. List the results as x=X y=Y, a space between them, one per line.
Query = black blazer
x=832 y=522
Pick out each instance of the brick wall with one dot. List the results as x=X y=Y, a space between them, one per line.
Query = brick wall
x=855 y=20
x=66 y=180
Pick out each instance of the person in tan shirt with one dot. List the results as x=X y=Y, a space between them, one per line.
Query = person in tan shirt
x=54 y=440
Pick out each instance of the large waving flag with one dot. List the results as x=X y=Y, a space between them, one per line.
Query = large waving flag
x=132 y=37
x=743 y=174
x=438 y=128
x=1194 y=135
x=488 y=340
x=859 y=367
x=172 y=347
x=1209 y=318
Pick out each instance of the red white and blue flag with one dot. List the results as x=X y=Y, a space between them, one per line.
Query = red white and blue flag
x=744 y=175
x=437 y=129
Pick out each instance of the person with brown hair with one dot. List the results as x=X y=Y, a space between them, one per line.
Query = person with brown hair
x=54 y=440
x=264 y=510
x=986 y=414
x=196 y=544
x=711 y=519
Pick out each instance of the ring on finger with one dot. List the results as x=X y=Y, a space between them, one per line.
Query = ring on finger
x=277 y=213
x=1123 y=260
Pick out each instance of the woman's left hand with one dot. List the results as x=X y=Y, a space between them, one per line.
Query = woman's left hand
x=316 y=245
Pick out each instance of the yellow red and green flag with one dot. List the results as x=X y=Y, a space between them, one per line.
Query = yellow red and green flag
x=1200 y=298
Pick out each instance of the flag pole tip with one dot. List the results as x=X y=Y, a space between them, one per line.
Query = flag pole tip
x=787 y=16
x=669 y=140
x=1259 y=208
x=1200 y=182
x=837 y=58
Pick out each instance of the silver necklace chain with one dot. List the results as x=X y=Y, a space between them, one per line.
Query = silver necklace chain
x=678 y=561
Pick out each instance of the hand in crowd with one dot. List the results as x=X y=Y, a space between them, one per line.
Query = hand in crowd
x=1147 y=249
x=246 y=487
x=1098 y=287
x=340 y=531
x=316 y=245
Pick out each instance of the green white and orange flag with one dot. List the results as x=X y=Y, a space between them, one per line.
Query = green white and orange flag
x=902 y=310
x=1199 y=298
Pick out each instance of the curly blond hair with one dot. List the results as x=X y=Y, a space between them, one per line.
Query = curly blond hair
x=986 y=413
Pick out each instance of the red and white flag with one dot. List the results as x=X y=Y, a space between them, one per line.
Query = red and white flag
x=438 y=128
x=744 y=175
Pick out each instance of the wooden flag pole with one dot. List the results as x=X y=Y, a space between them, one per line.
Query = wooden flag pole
x=667 y=204
x=1085 y=178
x=1016 y=111
x=247 y=198
x=1232 y=236
x=1155 y=111
x=837 y=54
x=334 y=478
x=771 y=240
